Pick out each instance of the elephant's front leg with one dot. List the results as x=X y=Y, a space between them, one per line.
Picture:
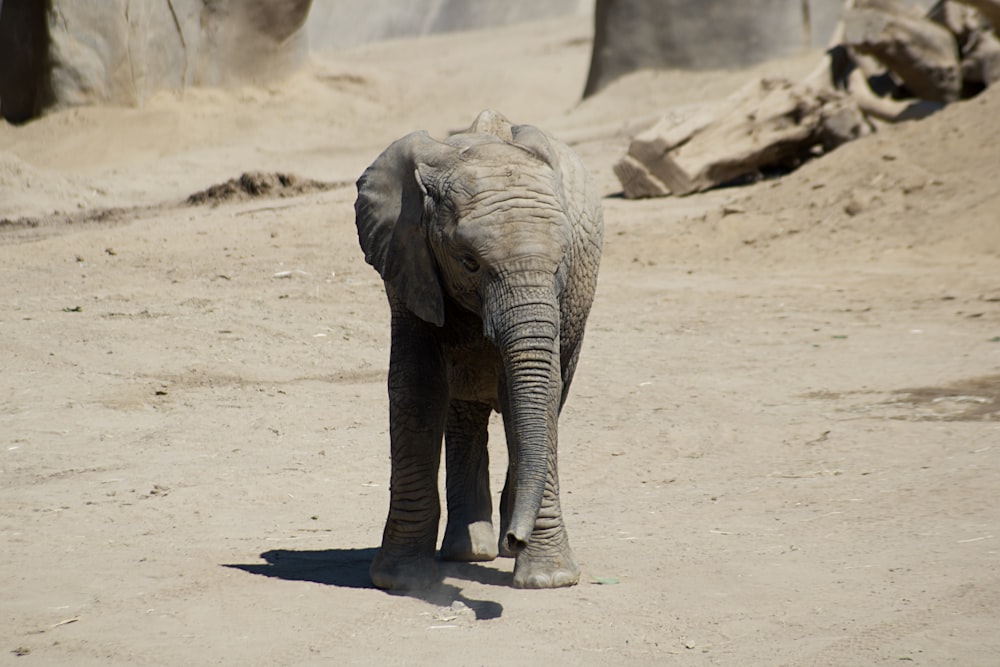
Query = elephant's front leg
x=547 y=561
x=418 y=400
x=469 y=535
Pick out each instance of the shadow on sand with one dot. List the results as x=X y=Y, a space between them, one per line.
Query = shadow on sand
x=348 y=568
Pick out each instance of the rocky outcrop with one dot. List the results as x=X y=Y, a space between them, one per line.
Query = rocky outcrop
x=58 y=53
x=708 y=34
x=768 y=124
x=67 y=52
x=886 y=62
x=702 y=34
x=920 y=52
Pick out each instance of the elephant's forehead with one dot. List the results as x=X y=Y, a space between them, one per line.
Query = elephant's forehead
x=493 y=195
x=509 y=170
x=506 y=199
x=496 y=155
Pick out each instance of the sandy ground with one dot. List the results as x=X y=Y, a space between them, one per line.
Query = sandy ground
x=782 y=447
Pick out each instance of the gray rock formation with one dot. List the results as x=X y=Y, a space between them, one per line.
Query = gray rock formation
x=66 y=52
x=705 y=34
x=769 y=123
x=58 y=53
x=702 y=34
x=922 y=53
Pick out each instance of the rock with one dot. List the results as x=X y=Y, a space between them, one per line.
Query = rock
x=702 y=34
x=981 y=63
x=58 y=53
x=978 y=46
x=768 y=123
x=923 y=54
x=458 y=613
x=963 y=22
x=122 y=51
x=990 y=9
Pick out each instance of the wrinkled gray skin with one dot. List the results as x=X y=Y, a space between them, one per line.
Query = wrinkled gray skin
x=489 y=244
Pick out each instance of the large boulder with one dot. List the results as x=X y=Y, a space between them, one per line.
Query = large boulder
x=57 y=53
x=922 y=53
x=122 y=51
x=702 y=34
x=769 y=123
x=706 y=34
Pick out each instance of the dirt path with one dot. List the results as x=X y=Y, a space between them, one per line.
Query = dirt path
x=782 y=446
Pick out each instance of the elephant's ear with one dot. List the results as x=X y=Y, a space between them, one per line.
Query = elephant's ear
x=536 y=142
x=389 y=214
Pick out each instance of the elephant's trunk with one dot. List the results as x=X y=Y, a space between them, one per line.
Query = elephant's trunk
x=524 y=325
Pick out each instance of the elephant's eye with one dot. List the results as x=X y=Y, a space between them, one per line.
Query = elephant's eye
x=470 y=263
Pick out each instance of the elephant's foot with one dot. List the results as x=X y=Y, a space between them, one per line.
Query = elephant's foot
x=469 y=542
x=403 y=573
x=546 y=568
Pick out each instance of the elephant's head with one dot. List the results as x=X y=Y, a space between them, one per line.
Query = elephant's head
x=481 y=219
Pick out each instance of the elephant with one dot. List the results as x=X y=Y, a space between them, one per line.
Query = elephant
x=488 y=244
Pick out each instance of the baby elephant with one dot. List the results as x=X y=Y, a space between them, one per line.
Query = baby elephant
x=488 y=243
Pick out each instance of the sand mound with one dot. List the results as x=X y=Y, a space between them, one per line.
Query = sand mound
x=28 y=191
x=918 y=185
x=255 y=184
